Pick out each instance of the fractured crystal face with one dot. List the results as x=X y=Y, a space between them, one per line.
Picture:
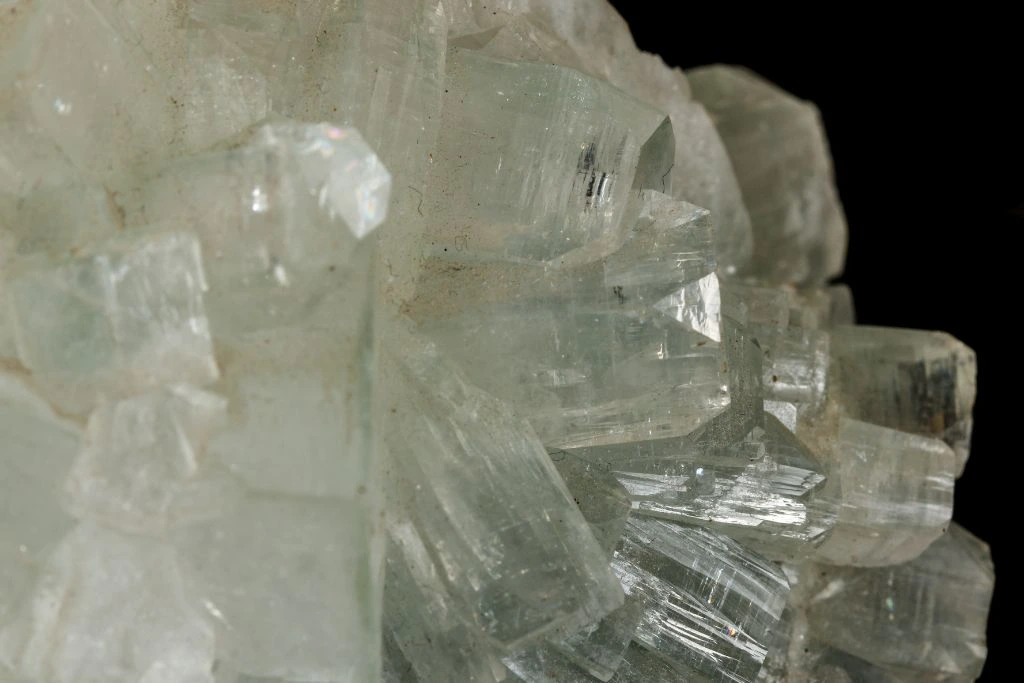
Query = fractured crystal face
x=760 y=487
x=926 y=617
x=897 y=495
x=915 y=381
x=141 y=470
x=778 y=148
x=711 y=603
x=129 y=316
x=551 y=182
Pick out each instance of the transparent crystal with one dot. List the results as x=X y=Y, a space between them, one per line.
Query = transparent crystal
x=471 y=481
x=897 y=495
x=711 y=603
x=559 y=197
x=291 y=204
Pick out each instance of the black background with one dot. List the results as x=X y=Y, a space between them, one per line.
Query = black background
x=924 y=122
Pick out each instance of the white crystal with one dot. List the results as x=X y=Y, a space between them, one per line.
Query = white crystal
x=109 y=608
x=142 y=469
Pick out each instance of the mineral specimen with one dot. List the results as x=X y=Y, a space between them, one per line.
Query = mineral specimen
x=439 y=341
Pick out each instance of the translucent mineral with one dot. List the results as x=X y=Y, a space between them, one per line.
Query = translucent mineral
x=142 y=468
x=490 y=539
x=897 y=495
x=38 y=450
x=777 y=145
x=74 y=73
x=128 y=317
x=279 y=217
x=428 y=341
x=108 y=607
x=287 y=581
x=911 y=380
x=924 y=618
x=559 y=198
x=711 y=603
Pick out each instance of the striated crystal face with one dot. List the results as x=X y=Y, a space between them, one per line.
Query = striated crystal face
x=710 y=603
x=430 y=341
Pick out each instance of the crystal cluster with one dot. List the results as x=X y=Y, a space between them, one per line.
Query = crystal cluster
x=444 y=341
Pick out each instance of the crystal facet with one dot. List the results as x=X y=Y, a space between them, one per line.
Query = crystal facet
x=629 y=431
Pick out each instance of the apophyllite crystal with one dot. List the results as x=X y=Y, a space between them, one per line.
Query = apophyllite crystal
x=444 y=341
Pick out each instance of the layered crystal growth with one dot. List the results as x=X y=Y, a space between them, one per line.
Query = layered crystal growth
x=433 y=341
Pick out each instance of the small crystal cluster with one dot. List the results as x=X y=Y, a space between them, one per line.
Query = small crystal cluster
x=445 y=341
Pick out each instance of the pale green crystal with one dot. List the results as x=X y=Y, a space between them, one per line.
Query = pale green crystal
x=759 y=487
x=37 y=452
x=586 y=352
x=602 y=294
x=291 y=205
x=911 y=380
x=595 y=652
x=73 y=72
x=897 y=495
x=511 y=557
x=554 y=33
x=289 y=583
x=560 y=197
x=127 y=317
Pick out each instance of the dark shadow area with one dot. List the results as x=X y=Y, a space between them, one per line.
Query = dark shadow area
x=925 y=122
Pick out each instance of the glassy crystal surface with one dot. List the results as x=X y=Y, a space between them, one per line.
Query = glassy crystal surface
x=613 y=376
x=559 y=197
x=472 y=482
x=279 y=218
x=897 y=495
x=911 y=380
x=924 y=618
x=757 y=487
x=777 y=146
x=711 y=603
x=129 y=316
x=623 y=348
